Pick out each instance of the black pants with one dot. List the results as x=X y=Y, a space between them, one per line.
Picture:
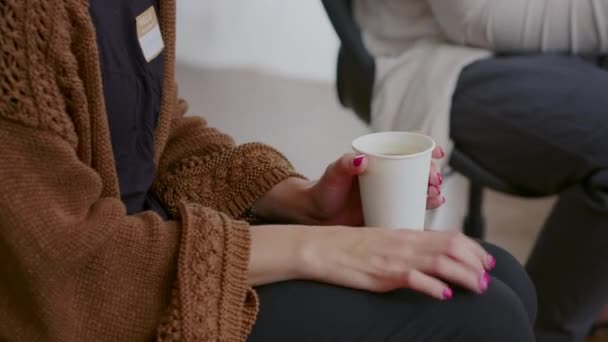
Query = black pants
x=541 y=121
x=300 y=311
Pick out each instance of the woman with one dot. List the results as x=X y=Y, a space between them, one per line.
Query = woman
x=533 y=114
x=123 y=220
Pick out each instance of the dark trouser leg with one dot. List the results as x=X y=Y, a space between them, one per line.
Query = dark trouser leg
x=542 y=122
x=508 y=271
x=301 y=311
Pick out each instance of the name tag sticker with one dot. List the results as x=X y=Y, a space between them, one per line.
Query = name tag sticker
x=148 y=32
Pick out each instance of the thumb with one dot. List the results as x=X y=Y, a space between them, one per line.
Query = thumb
x=342 y=171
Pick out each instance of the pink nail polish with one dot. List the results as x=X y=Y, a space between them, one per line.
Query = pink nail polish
x=358 y=161
x=447 y=293
x=436 y=188
x=439 y=178
x=484 y=282
x=491 y=262
x=442 y=152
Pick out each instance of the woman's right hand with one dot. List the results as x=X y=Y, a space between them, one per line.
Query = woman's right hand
x=382 y=260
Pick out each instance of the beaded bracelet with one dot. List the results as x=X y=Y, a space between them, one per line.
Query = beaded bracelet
x=250 y=215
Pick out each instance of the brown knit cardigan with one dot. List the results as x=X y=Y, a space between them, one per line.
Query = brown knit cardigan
x=73 y=265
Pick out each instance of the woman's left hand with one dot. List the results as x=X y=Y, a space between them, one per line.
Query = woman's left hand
x=334 y=199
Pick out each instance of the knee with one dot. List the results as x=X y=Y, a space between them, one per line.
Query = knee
x=509 y=271
x=595 y=185
x=498 y=316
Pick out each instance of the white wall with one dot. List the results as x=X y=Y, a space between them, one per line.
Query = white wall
x=289 y=37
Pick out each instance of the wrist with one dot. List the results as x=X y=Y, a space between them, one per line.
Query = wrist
x=312 y=257
x=280 y=253
x=290 y=201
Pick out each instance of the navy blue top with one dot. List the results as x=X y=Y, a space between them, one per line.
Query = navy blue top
x=132 y=90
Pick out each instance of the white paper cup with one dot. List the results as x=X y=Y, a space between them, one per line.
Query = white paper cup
x=395 y=183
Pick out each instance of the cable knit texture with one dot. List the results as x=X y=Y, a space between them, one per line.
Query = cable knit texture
x=74 y=266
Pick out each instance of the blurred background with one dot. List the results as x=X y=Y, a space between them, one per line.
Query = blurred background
x=264 y=71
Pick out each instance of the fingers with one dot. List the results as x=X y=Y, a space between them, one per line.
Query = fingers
x=456 y=272
x=454 y=258
x=433 y=191
x=342 y=170
x=438 y=152
x=353 y=164
x=457 y=247
x=466 y=250
x=434 y=202
x=486 y=258
x=423 y=283
x=435 y=199
x=461 y=248
x=435 y=177
x=427 y=262
x=457 y=243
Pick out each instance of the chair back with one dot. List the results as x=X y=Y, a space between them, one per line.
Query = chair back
x=356 y=66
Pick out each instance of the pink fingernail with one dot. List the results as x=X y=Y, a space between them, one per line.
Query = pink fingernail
x=439 y=178
x=442 y=152
x=491 y=262
x=358 y=160
x=484 y=282
x=447 y=293
x=436 y=188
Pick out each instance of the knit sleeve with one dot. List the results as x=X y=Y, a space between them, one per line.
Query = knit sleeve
x=202 y=165
x=526 y=26
x=74 y=265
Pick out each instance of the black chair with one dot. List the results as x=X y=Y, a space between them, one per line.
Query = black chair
x=355 y=80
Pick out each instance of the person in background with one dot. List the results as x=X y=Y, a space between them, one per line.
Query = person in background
x=520 y=87
x=121 y=219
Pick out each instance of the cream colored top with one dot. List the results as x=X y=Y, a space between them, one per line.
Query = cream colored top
x=577 y=26
x=421 y=46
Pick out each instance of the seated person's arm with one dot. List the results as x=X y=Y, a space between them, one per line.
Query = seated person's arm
x=203 y=165
x=74 y=265
x=526 y=25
